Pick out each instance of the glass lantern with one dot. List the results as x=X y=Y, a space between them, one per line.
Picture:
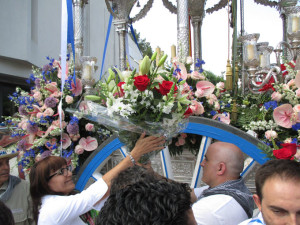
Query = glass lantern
x=264 y=52
x=88 y=73
x=251 y=57
x=293 y=24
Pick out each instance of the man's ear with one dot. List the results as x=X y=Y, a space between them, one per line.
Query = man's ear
x=257 y=201
x=221 y=168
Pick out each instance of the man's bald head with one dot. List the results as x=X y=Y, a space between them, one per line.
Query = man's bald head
x=223 y=161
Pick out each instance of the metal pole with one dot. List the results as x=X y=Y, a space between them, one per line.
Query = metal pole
x=182 y=29
x=121 y=28
x=197 y=22
x=78 y=33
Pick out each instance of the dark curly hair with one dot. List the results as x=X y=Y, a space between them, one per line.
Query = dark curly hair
x=147 y=203
x=6 y=216
x=133 y=175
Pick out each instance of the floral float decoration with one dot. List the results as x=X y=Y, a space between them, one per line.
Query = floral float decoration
x=43 y=131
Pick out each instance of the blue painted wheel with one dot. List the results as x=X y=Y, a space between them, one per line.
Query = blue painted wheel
x=197 y=125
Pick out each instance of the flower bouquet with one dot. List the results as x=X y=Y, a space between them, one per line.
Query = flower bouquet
x=153 y=100
x=43 y=130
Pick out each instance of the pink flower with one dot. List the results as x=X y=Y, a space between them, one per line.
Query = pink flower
x=53 y=89
x=204 y=88
x=276 y=96
x=74 y=137
x=48 y=112
x=285 y=116
x=296 y=108
x=76 y=89
x=297 y=92
x=211 y=99
x=89 y=143
x=197 y=108
x=220 y=85
x=79 y=149
x=224 y=117
x=195 y=75
x=271 y=134
x=199 y=93
x=66 y=141
x=69 y=99
x=83 y=107
x=297 y=79
x=291 y=82
x=89 y=127
x=38 y=96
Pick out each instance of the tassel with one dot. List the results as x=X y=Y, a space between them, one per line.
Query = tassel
x=228 y=84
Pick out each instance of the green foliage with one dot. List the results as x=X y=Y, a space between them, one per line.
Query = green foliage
x=213 y=78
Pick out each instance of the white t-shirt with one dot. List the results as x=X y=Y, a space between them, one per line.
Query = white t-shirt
x=217 y=210
x=65 y=210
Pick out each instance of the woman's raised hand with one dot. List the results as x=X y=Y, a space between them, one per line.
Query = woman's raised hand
x=147 y=144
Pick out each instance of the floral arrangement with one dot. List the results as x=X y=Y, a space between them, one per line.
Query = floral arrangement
x=43 y=131
x=154 y=99
x=273 y=117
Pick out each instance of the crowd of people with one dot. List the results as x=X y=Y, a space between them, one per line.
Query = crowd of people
x=134 y=194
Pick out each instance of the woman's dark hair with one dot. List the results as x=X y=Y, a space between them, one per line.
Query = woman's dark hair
x=6 y=216
x=39 y=175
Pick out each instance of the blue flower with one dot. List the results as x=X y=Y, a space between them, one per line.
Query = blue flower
x=213 y=113
x=296 y=127
x=271 y=104
x=199 y=63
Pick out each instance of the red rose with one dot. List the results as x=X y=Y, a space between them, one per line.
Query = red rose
x=120 y=86
x=287 y=152
x=165 y=87
x=188 y=112
x=141 y=82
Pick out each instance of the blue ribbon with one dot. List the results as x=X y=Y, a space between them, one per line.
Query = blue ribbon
x=106 y=42
x=71 y=32
x=134 y=37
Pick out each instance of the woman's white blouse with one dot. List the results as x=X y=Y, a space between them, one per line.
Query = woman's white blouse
x=65 y=210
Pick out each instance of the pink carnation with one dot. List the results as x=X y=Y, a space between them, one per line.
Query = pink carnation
x=79 y=149
x=69 y=99
x=48 y=112
x=276 y=96
x=38 y=96
x=271 y=134
x=89 y=127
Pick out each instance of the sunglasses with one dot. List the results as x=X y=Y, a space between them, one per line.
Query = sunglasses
x=62 y=171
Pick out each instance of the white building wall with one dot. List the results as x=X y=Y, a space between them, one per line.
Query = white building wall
x=30 y=31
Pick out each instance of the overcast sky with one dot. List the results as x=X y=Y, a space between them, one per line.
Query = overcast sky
x=159 y=28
